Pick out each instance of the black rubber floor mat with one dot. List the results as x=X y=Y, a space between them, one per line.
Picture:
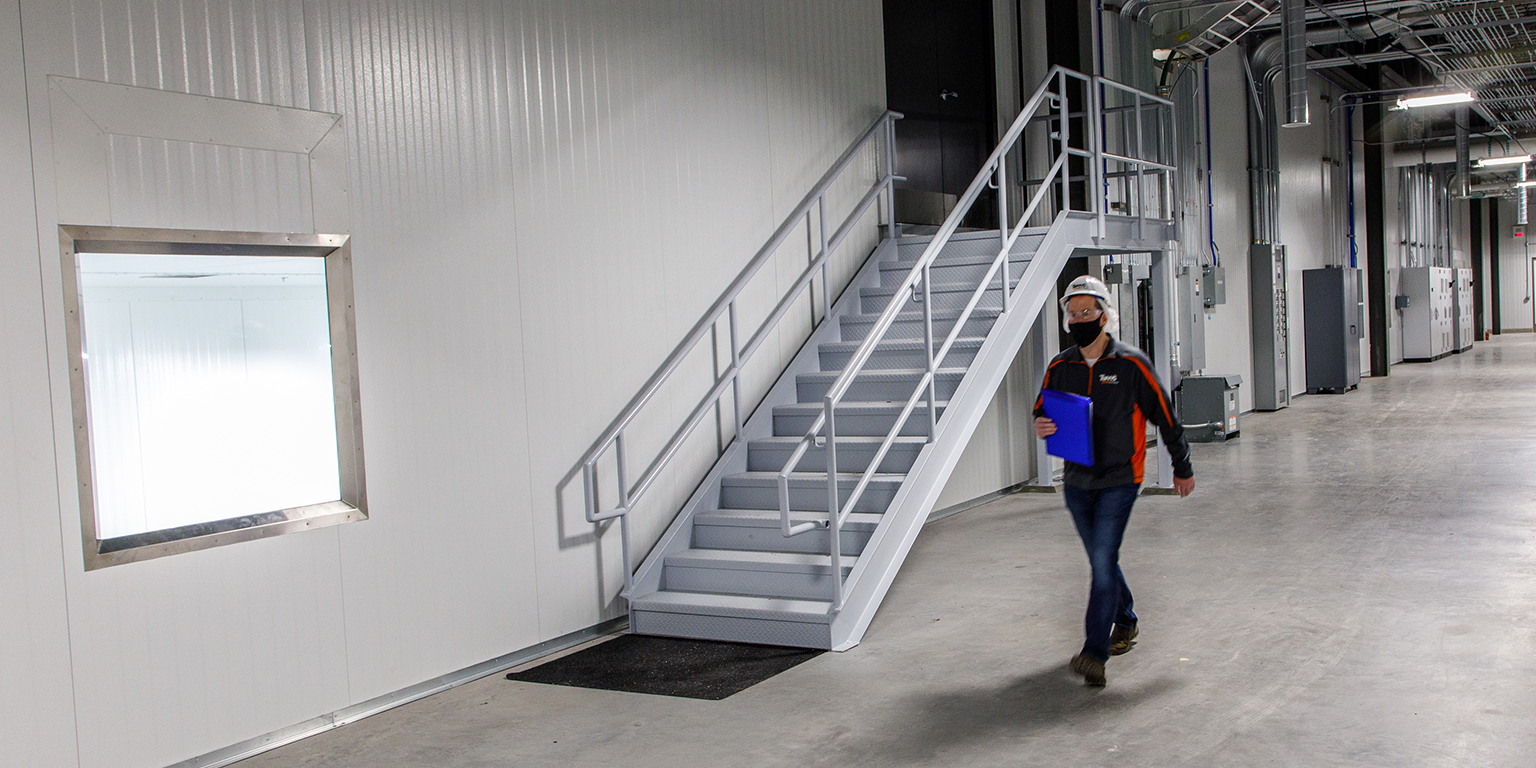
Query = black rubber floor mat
x=668 y=666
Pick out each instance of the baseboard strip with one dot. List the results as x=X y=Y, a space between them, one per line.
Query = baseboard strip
x=955 y=509
x=278 y=738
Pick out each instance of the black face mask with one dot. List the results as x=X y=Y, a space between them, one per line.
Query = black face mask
x=1085 y=333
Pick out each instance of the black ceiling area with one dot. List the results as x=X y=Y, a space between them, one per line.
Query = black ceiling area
x=1487 y=47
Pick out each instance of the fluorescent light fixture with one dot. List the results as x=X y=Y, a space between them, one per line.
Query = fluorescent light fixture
x=1510 y=160
x=1435 y=100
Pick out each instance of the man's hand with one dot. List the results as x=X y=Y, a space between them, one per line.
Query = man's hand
x=1044 y=427
x=1184 y=485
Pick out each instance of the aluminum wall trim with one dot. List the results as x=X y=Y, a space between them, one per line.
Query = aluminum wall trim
x=313 y=727
x=336 y=250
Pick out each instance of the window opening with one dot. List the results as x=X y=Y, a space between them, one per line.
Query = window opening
x=213 y=380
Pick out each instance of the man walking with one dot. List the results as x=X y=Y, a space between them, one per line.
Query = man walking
x=1126 y=394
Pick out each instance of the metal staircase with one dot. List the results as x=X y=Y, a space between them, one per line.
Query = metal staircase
x=796 y=533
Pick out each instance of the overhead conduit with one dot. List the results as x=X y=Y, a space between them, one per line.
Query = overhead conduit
x=1293 y=29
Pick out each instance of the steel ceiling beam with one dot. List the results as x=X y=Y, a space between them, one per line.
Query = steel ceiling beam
x=1491 y=24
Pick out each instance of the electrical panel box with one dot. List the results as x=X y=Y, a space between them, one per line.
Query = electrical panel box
x=1465 y=327
x=1208 y=407
x=1215 y=285
x=1429 y=320
x=1116 y=274
x=1191 y=313
x=1271 y=336
x=1331 y=311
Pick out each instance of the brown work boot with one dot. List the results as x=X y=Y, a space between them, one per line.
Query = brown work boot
x=1090 y=668
x=1121 y=638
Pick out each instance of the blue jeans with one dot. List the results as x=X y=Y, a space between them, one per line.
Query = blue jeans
x=1101 y=516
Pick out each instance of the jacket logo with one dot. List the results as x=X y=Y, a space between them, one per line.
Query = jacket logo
x=1109 y=378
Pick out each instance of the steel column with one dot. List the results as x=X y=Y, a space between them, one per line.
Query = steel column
x=1475 y=217
x=1375 y=228
x=1163 y=324
x=1496 y=323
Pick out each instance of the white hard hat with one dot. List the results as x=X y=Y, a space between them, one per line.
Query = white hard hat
x=1087 y=285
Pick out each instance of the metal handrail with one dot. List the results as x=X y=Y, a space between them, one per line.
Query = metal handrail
x=996 y=166
x=725 y=306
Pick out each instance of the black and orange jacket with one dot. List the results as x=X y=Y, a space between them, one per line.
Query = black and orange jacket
x=1126 y=395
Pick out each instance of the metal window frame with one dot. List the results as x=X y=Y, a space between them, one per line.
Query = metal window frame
x=353 y=505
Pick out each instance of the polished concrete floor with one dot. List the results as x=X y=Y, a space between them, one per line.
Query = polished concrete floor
x=1352 y=584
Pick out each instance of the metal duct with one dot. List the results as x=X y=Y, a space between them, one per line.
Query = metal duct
x=1463 y=161
x=1293 y=28
x=1524 y=198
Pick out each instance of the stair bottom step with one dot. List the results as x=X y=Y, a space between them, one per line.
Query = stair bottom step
x=734 y=618
x=794 y=634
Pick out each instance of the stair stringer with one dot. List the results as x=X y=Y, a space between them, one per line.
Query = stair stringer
x=758 y=425
x=871 y=578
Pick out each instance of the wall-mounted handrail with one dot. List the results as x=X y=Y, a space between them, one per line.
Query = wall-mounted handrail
x=1059 y=179
x=725 y=307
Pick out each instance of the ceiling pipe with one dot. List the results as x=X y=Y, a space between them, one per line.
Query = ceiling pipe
x=1463 y=153
x=1404 y=156
x=1293 y=28
x=1146 y=10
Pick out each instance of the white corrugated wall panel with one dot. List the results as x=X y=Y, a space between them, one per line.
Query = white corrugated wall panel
x=630 y=112
x=442 y=576
x=37 y=716
x=180 y=656
x=1304 y=218
x=186 y=185
x=1228 y=339
x=544 y=198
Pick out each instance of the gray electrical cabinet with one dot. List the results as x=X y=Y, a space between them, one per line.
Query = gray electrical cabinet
x=1191 y=348
x=1215 y=285
x=1463 y=309
x=1429 y=322
x=1208 y=407
x=1330 y=300
x=1271 y=337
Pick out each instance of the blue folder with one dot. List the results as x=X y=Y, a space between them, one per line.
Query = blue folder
x=1073 y=415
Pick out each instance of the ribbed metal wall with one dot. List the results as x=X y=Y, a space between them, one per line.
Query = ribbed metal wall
x=187 y=185
x=544 y=198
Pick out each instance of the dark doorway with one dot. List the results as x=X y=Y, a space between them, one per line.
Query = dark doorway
x=939 y=74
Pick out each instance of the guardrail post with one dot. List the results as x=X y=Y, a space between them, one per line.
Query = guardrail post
x=826 y=258
x=735 y=371
x=834 y=521
x=589 y=489
x=890 y=174
x=623 y=478
x=1003 y=227
x=1141 y=187
x=1065 y=137
x=1172 y=158
x=933 y=408
x=1100 y=200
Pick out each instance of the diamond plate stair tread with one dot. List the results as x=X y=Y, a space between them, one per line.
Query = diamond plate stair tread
x=756 y=560
x=966 y=237
x=735 y=606
x=768 y=518
x=900 y=345
x=891 y=290
x=886 y=374
x=964 y=260
x=772 y=478
x=940 y=316
x=861 y=441
x=853 y=408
